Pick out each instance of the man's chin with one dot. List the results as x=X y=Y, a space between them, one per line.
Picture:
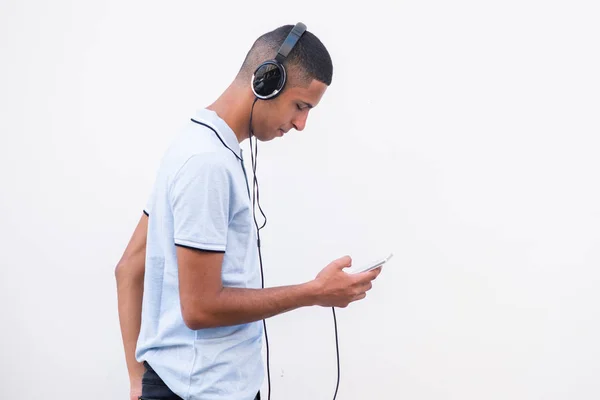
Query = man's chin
x=266 y=138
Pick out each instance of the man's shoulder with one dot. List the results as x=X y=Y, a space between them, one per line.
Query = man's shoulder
x=195 y=150
x=206 y=165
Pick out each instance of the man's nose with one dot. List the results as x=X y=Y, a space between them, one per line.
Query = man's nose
x=299 y=123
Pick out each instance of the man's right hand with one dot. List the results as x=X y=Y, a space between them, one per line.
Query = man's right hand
x=336 y=288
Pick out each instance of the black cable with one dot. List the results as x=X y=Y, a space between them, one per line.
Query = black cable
x=256 y=198
x=255 y=187
x=337 y=349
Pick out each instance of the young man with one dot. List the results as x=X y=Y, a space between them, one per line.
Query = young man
x=191 y=303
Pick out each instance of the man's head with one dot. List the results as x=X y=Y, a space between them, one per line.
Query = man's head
x=309 y=72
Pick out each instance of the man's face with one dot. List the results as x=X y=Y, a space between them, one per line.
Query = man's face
x=275 y=117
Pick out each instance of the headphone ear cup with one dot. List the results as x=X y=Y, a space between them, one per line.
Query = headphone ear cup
x=268 y=79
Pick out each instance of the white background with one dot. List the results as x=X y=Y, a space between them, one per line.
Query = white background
x=462 y=136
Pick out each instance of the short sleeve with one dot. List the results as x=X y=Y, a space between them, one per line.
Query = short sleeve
x=149 y=203
x=199 y=195
x=151 y=198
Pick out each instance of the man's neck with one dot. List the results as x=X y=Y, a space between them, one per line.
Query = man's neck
x=233 y=106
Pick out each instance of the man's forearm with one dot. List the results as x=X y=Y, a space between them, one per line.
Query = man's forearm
x=130 y=290
x=233 y=306
x=129 y=274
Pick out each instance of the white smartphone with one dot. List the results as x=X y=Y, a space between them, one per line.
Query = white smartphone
x=368 y=267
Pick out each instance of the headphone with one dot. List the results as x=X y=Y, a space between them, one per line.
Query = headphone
x=269 y=78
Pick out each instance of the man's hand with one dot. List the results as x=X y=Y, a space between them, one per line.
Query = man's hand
x=336 y=288
x=135 y=389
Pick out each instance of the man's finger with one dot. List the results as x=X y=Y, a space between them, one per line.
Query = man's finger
x=376 y=272
x=343 y=262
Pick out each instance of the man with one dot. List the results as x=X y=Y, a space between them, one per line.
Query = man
x=189 y=286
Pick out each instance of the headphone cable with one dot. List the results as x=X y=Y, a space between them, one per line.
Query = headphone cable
x=337 y=350
x=256 y=199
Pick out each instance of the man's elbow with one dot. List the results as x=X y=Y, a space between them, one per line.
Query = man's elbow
x=126 y=270
x=199 y=318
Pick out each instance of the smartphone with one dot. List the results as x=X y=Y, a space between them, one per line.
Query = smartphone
x=370 y=266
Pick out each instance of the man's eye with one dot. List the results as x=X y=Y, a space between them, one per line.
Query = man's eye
x=298 y=106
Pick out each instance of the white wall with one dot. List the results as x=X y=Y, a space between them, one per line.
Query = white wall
x=462 y=136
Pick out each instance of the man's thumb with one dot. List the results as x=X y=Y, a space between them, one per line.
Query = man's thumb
x=343 y=262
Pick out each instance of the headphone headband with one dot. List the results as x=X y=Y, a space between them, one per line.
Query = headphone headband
x=290 y=41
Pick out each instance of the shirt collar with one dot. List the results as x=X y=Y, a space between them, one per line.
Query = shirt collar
x=211 y=118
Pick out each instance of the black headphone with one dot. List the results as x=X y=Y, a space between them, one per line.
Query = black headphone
x=269 y=78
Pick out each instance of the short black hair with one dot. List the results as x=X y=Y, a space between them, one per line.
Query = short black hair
x=309 y=59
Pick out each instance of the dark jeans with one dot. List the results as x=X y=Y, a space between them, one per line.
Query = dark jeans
x=153 y=387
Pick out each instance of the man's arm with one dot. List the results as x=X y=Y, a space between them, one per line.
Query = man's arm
x=205 y=303
x=129 y=275
x=200 y=196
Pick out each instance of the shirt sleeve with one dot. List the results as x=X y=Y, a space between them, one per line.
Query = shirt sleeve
x=149 y=202
x=199 y=195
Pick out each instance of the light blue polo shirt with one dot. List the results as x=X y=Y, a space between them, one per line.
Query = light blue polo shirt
x=201 y=199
